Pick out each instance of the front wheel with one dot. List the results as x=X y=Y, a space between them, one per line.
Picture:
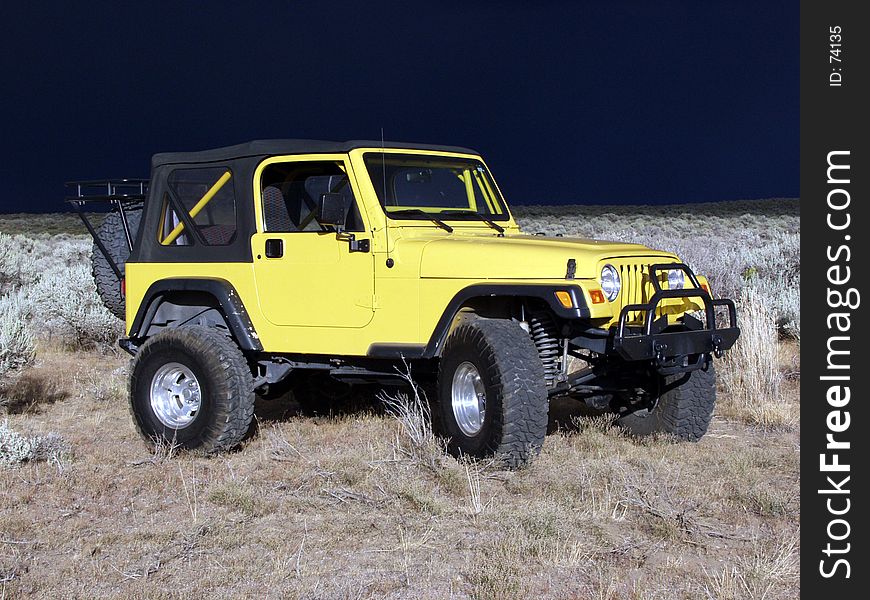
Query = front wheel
x=192 y=387
x=492 y=396
x=684 y=409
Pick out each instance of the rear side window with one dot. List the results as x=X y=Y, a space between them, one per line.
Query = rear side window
x=207 y=198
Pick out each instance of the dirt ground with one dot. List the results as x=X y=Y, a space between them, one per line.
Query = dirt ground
x=338 y=507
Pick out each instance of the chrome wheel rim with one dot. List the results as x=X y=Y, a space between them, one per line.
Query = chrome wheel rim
x=468 y=398
x=175 y=395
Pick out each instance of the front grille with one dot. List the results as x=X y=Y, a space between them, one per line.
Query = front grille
x=637 y=287
x=634 y=278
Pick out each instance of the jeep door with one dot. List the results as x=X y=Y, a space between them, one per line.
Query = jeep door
x=307 y=273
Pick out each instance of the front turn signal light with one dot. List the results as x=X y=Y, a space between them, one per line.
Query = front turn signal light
x=597 y=296
x=564 y=299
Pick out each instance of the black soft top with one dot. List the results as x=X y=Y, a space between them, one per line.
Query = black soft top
x=291 y=146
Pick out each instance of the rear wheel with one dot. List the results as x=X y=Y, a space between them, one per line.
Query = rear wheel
x=192 y=387
x=684 y=409
x=492 y=397
x=111 y=233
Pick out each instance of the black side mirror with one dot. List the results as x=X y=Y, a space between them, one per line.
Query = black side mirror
x=332 y=210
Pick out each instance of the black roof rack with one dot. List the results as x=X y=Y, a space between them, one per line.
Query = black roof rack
x=118 y=193
x=106 y=190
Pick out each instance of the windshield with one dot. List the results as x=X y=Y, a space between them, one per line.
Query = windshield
x=424 y=186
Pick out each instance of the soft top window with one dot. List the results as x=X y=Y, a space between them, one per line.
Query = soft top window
x=203 y=196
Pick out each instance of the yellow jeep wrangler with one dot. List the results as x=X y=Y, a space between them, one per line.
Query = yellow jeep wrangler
x=281 y=264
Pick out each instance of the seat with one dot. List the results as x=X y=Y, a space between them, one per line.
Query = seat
x=275 y=215
x=218 y=235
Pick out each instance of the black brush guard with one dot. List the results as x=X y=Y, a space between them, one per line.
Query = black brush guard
x=676 y=351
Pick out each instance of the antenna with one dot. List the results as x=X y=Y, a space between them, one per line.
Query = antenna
x=384 y=165
x=390 y=261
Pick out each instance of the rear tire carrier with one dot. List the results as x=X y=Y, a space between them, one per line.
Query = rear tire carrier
x=112 y=235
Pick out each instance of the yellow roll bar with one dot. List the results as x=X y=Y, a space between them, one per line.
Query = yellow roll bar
x=490 y=203
x=469 y=189
x=213 y=190
x=496 y=205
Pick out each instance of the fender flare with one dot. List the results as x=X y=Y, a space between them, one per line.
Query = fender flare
x=482 y=290
x=221 y=290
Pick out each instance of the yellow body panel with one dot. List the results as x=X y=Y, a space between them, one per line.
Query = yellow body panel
x=405 y=312
x=316 y=282
x=320 y=298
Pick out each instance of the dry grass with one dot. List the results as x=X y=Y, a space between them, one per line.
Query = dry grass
x=752 y=375
x=414 y=436
x=343 y=508
x=757 y=574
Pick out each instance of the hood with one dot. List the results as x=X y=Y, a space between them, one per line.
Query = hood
x=522 y=256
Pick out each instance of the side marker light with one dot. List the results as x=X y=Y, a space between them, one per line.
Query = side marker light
x=564 y=299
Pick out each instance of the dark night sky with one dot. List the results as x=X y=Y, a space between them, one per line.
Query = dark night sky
x=595 y=102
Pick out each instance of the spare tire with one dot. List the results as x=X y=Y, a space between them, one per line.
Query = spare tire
x=111 y=233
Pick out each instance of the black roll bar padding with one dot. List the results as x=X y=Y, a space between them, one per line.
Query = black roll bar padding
x=184 y=214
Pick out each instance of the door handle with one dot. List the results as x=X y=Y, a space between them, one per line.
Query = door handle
x=274 y=248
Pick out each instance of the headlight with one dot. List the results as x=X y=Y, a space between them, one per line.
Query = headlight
x=676 y=279
x=610 y=282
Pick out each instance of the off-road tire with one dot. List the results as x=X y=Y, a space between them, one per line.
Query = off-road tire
x=515 y=419
x=683 y=411
x=111 y=233
x=224 y=378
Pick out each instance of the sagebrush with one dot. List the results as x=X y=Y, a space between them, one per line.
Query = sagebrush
x=47 y=282
x=17 y=343
x=16 y=448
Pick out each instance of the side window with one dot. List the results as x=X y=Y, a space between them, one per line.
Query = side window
x=208 y=198
x=290 y=192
